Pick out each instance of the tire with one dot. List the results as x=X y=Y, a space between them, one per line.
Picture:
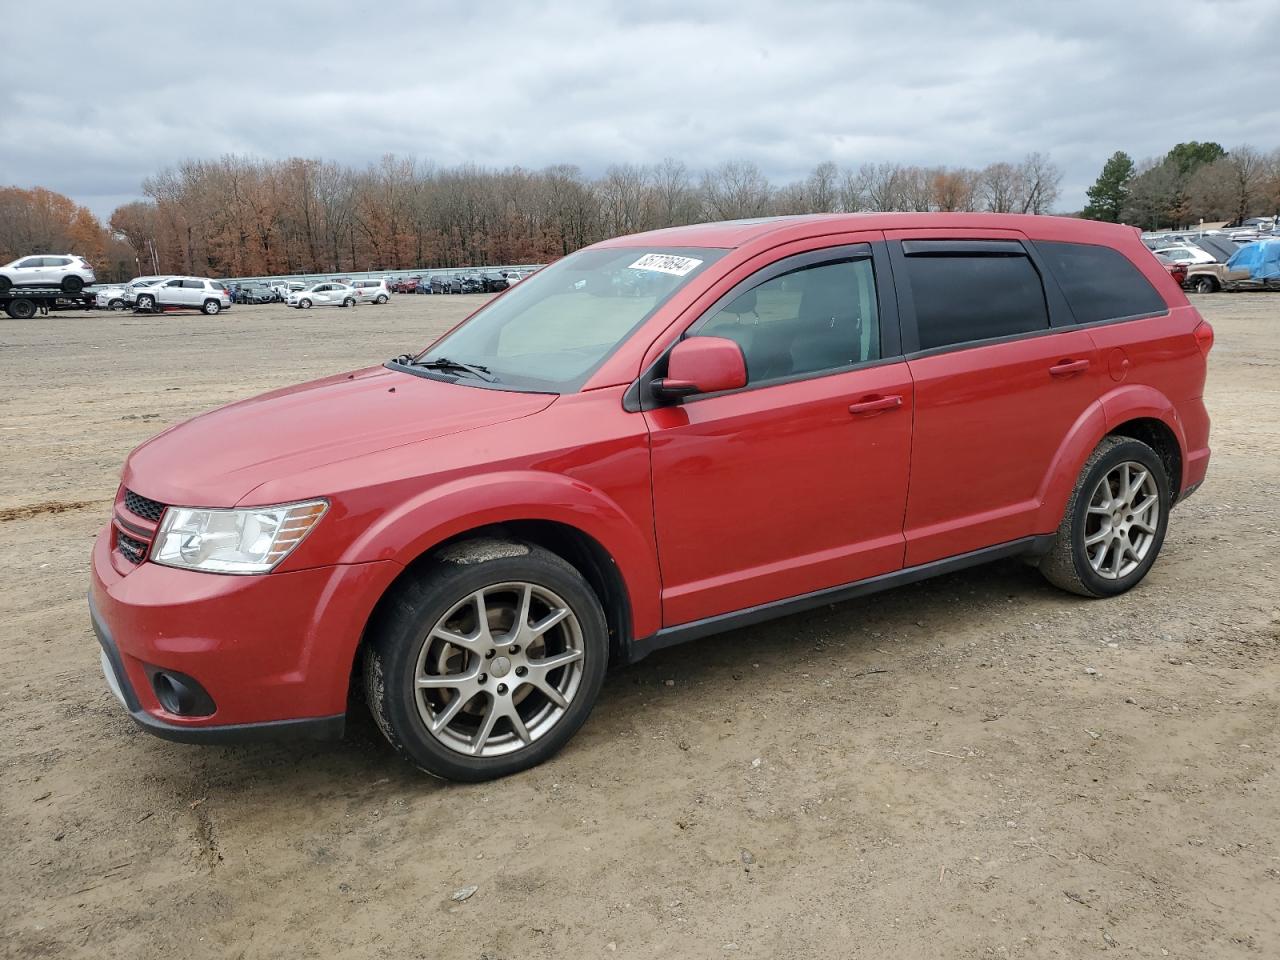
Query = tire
x=5 y=284
x=72 y=284
x=116 y=304
x=382 y=298
x=1120 y=558
x=304 y=304
x=212 y=307
x=1203 y=285
x=21 y=309
x=348 y=302
x=403 y=644
x=146 y=303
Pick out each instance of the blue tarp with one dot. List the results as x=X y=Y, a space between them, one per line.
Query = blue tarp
x=1261 y=259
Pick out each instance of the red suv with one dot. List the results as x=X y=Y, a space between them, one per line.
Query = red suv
x=654 y=439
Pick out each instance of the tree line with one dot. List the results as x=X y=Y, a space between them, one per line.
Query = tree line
x=241 y=216
x=1191 y=183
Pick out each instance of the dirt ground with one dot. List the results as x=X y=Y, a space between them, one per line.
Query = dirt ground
x=977 y=766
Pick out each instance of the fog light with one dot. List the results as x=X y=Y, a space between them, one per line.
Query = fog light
x=179 y=694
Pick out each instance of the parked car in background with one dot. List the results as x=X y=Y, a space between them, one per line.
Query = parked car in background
x=472 y=283
x=406 y=285
x=439 y=284
x=254 y=293
x=326 y=294
x=66 y=271
x=371 y=291
x=1236 y=274
x=570 y=479
x=493 y=282
x=513 y=277
x=1187 y=253
x=180 y=293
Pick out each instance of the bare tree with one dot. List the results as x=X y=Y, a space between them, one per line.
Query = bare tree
x=735 y=189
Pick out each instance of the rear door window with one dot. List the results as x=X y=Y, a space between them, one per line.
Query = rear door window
x=970 y=297
x=1100 y=283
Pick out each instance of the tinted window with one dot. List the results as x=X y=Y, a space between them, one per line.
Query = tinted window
x=812 y=319
x=1100 y=283
x=32 y=262
x=56 y=261
x=174 y=283
x=963 y=298
x=193 y=284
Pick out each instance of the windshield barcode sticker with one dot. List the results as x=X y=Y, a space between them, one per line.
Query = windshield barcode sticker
x=666 y=263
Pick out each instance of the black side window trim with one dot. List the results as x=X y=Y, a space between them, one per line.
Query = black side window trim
x=638 y=396
x=1059 y=313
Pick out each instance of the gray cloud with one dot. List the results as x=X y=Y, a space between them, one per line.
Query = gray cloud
x=786 y=85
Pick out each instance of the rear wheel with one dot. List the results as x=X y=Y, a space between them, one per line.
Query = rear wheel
x=21 y=309
x=211 y=307
x=72 y=284
x=1204 y=285
x=382 y=298
x=489 y=662
x=5 y=284
x=348 y=302
x=1115 y=521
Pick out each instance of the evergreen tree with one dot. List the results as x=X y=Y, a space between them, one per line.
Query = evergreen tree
x=1110 y=192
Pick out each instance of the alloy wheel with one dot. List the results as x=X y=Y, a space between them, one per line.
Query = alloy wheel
x=1122 y=520
x=498 y=671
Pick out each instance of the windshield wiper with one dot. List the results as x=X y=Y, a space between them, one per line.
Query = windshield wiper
x=444 y=363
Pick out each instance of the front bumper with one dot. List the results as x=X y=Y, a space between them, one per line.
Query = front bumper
x=273 y=652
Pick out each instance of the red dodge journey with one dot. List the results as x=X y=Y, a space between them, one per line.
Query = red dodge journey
x=656 y=438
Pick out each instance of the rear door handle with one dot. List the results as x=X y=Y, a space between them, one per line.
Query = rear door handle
x=1067 y=367
x=867 y=408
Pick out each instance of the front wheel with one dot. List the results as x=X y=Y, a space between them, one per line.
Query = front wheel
x=488 y=662
x=1204 y=285
x=304 y=304
x=211 y=307
x=1115 y=521
x=146 y=303
x=116 y=304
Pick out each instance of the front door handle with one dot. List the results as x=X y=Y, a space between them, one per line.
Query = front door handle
x=1067 y=367
x=874 y=405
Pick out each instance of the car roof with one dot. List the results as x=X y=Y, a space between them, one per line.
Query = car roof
x=738 y=233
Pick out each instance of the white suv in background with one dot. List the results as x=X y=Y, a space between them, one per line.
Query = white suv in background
x=64 y=270
x=371 y=291
x=182 y=293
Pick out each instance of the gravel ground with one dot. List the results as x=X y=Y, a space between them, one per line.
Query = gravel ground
x=977 y=766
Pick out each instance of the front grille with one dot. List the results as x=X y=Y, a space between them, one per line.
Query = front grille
x=140 y=506
x=132 y=550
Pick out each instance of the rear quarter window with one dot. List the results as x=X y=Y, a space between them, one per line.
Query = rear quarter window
x=966 y=299
x=1100 y=283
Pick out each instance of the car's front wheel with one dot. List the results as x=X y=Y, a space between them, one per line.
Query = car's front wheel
x=1204 y=285
x=304 y=304
x=115 y=304
x=488 y=662
x=1115 y=521
x=146 y=303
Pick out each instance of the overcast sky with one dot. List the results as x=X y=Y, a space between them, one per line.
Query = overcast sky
x=114 y=92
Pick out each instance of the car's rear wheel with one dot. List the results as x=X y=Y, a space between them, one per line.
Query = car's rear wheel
x=1204 y=285
x=382 y=298
x=1115 y=521
x=489 y=662
x=146 y=302
x=72 y=284
x=5 y=284
x=349 y=302
x=211 y=307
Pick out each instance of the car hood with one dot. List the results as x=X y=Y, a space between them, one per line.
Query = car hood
x=217 y=458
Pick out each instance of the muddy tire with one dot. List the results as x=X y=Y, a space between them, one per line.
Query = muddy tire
x=1115 y=521
x=486 y=663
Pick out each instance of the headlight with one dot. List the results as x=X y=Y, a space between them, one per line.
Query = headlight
x=251 y=540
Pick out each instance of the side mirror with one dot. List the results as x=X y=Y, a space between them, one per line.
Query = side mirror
x=701 y=365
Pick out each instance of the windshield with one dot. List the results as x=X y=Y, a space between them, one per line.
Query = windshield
x=559 y=325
